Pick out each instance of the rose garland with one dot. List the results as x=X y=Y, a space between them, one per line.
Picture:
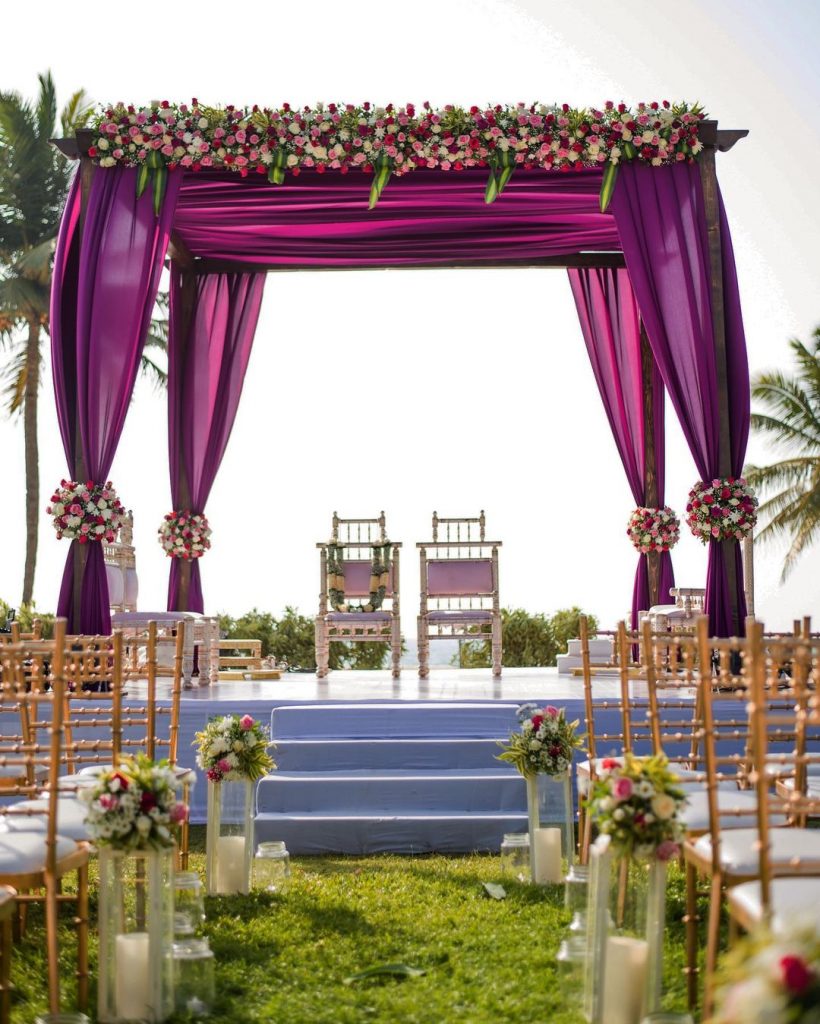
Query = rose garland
x=636 y=803
x=545 y=743
x=653 y=529
x=379 y=578
x=723 y=509
x=86 y=512
x=765 y=977
x=161 y=136
x=185 y=534
x=134 y=806
x=232 y=748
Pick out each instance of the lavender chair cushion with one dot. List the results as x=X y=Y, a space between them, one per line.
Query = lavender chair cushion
x=357 y=578
x=359 y=617
x=459 y=577
x=461 y=615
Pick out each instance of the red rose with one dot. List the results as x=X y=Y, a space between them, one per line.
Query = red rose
x=536 y=721
x=726 y=493
x=795 y=974
x=147 y=802
x=708 y=499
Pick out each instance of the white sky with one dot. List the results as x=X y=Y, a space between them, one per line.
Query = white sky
x=483 y=395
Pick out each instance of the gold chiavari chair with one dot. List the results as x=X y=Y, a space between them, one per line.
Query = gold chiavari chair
x=785 y=888
x=34 y=856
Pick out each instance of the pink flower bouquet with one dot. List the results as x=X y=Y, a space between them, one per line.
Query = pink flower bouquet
x=722 y=509
x=653 y=529
x=86 y=512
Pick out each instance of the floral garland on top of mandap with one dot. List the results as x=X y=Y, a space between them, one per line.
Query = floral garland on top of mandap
x=636 y=803
x=134 y=806
x=86 y=512
x=768 y=978
x=653 y=529
x=379 y=578
x=185 y=534
x=723 y=509
x=233 y=748
x=162 y=136
x=545 y=743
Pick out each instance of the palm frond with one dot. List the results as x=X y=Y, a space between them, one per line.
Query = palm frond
x=153 y=372
x=20 y=297
x=35 y=263
x=15 y=374
x=46 y=106
x=76 y=112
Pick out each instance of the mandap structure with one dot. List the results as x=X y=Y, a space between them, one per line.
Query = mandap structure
x=626 y=199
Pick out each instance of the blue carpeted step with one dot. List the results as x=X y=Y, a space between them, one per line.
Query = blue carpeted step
x=398 y=833
x=386 y=720
x=297 y=755
x=392 y=792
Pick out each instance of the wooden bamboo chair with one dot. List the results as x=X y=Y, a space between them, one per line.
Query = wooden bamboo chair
x=459 y=588
x=785 y=887
x=34 y=860
x=355 y=540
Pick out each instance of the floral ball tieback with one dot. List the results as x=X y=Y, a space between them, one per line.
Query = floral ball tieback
x=86 y=511
x=185 y=535
x=722 y=509
x=653 y=529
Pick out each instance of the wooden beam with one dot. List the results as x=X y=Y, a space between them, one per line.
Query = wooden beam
x=187 y=311
x=179 y=252
x=650 y=461
x=708 y=173
x=581 y=259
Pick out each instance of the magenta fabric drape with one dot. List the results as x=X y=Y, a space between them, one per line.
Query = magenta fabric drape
x=662 y=224
x=206 y=370
x=104 y=287
x=611 y=328
x=427 y=217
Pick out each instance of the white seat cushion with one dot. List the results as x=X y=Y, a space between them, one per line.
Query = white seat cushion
x=71 y=783
x=71 y=816
x=695 y=815
x=738 y=848
x=25 y=852
x=790 y=899
x=812 y=789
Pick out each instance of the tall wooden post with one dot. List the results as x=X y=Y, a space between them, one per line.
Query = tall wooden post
x=650 y=463
x=708 y=173
x=186 y=314
x=80 y=469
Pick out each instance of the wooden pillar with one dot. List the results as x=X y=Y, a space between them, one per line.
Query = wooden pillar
x=186 y=312
x=650 y=463
x=708 y=173
x=80 y=469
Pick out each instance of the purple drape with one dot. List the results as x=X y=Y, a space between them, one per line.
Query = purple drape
x=611 y=327
x=104 y=287
x=429 y=216
x=206 y=370
x=661 y=220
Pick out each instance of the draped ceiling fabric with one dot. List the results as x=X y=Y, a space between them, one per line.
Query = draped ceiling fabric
x=104 y=289
x=427 y=218
x=662 y=223
x=611 y=327
x=206 y=371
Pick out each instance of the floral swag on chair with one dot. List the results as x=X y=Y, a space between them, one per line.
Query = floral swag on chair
x=379 y=578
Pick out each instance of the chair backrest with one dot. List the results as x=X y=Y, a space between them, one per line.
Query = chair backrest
x=352 y=546
x=459 y=566
x=607 y=717
x=31 y=767
x=358 y=531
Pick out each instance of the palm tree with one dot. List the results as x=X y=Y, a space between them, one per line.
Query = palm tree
x=34 y=180
x=791 y=420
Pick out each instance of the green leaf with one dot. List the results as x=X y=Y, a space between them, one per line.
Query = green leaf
x=504 y=176
x=380 y=179
x=142 y=179
x=386 y=970
x=491 y=191
x=629 y=151
x=495 y=892
x=608 y=185
x=159 y=183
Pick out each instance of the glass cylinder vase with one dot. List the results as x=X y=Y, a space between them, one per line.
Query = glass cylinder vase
x=515 y=856
x=271 y=867
x=626 y=913
x=229 y=837
x=189 y=905
x=551 y=827
x=136 y=930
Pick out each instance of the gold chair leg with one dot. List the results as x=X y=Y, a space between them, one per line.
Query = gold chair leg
x=82 y=937
x=52 y=946
x=5 y=973
x=712 y=942
x=691 y=921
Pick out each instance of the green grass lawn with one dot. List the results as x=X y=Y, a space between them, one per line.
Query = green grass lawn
x=283 y=958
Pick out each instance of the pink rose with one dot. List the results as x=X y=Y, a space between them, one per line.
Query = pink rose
x=246 y=722
x=667 y=850
x=551 y=711
x=179 y=812
x=224 y=765
x=622 y=789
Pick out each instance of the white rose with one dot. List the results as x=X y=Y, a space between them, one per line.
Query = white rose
x=203 y=122
x=143 y=824
x=663 y=806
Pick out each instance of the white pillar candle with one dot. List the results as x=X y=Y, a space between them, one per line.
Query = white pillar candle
x=548 y=856
x=132 y=991
x=230 y=864
x=625 y=967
